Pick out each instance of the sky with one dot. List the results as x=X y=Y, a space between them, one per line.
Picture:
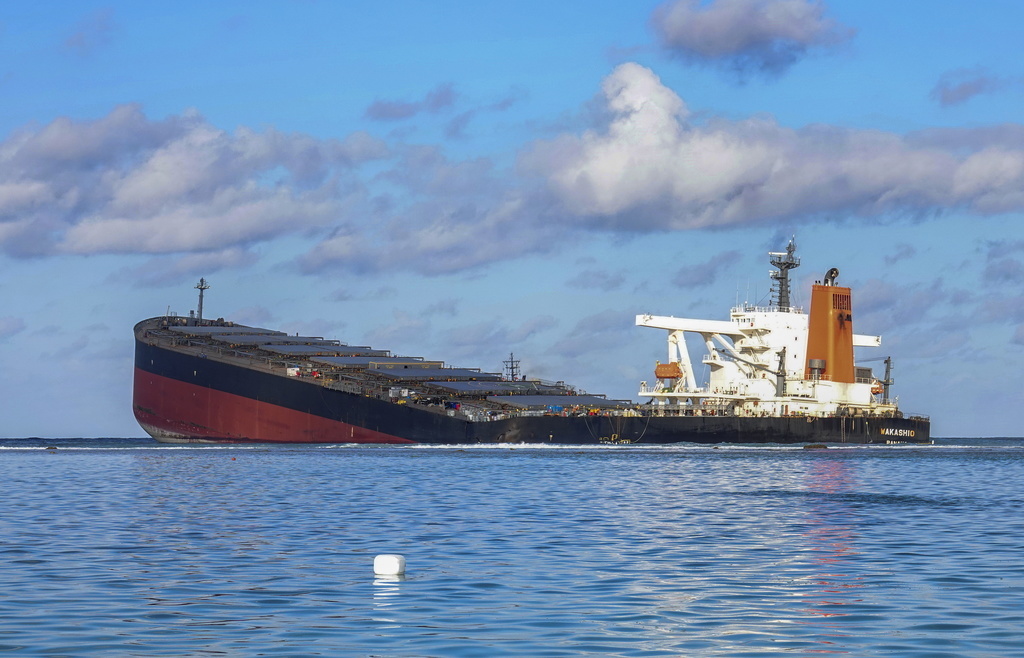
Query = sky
x=463 y=180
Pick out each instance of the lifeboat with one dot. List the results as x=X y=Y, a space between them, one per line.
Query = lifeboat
x=668 y=370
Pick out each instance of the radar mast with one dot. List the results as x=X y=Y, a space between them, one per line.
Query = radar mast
x=202 y=287
x=784 y=261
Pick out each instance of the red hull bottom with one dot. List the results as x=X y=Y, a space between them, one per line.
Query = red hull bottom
x=161 y=404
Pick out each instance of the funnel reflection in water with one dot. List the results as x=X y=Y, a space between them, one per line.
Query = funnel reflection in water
x=831 y=537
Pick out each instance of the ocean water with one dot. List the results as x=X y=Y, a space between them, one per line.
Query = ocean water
x=132 y=548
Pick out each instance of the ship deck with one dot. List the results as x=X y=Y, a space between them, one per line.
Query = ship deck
x=428 y=385
x=419 y=383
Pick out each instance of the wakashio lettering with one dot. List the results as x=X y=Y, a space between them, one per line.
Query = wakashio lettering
x=888 y=431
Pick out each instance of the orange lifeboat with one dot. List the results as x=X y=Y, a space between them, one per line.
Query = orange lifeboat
x=668 y=370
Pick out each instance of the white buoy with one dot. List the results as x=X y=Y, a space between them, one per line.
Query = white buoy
x=389 y=565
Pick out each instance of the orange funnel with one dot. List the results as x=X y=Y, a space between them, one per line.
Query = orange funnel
x=830 y=335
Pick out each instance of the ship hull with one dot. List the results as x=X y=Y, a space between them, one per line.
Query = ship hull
x=185 y=398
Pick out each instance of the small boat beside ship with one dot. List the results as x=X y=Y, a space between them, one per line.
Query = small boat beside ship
x=776 y=375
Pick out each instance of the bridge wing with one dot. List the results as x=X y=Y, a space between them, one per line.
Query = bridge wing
x=670 y=323
x=862 y=340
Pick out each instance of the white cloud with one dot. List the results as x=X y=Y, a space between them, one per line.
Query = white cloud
x=92 y=33
x=745 y=35
x=447 y=235
x=961 y=85
x=179 y=186
x=174 y=269
x=992 y=179
x=226 y=217
x=344 y=247
x=652 y=167
x=484 y=340
x=440 y=98
x=598 y=333
x=17 y=197
x=447 y=216
x=597 y=279
x=702 y=274
x=125 y=183
x=404 y=329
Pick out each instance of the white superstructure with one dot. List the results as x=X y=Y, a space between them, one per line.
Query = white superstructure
x=758 y=362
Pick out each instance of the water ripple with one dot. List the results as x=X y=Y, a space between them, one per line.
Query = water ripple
x=137 y=550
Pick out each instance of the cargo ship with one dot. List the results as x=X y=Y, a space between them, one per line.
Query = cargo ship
x=775 y=374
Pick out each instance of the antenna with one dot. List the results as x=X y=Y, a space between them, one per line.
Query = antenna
x=511 y=367
x=888 y=381
x=784 y=261
x=202 y=287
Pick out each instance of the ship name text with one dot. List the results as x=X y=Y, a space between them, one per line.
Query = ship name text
x=890 y=431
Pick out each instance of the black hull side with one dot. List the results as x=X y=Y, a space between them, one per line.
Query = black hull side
x=706 y=429
x=426 y=426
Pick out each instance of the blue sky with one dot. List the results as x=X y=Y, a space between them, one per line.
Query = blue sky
x=458 y=180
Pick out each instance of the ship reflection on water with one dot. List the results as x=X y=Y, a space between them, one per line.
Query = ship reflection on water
x=831 y=542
